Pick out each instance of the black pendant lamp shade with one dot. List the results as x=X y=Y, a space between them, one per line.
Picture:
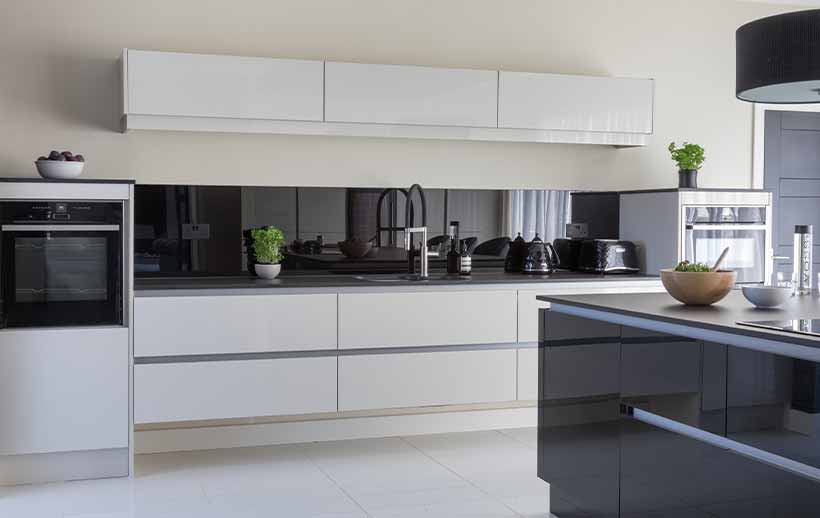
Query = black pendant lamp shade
x=778 y=59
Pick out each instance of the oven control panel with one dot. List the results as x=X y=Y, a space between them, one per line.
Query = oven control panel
x=61 y=211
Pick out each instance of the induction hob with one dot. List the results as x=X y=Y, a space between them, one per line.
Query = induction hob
x=803 y=326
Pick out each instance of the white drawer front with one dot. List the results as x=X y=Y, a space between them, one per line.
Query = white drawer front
x=581 y=103
x=244 y=388
x=63 y=390
x=167 y=326
x=425 y=318
x=424 y=379
x=528 y=374
x=396 y=94
x=528 y=307
x=200 y=85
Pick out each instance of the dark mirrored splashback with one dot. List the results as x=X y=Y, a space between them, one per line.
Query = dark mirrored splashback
x=184 y=230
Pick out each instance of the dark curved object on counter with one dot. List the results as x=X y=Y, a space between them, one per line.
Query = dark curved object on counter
x=470 y=243
x=498 y=246
x=568 y=251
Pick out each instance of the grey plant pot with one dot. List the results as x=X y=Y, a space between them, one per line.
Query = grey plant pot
x=688 y=178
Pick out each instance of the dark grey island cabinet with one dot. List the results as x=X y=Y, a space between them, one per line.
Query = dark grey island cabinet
x=638 y=423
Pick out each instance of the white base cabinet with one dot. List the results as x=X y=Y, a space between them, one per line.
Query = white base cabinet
x=63 y=390
x=335 y=352
x=228 y=389
x=404 y=319
x=528 y=374
x=424 y=379
x=170 y=326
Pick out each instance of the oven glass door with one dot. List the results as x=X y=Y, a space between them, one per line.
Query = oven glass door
x=709 y=230
x=64 y=276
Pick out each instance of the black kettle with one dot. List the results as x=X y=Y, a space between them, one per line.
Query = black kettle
x=516 y=254
x=541 y=257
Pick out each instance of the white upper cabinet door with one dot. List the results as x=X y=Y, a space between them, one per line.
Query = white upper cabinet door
x=201 y=85
x=397 y=94
x=576 y=103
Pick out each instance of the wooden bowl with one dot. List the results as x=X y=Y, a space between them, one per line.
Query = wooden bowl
x=698 y=288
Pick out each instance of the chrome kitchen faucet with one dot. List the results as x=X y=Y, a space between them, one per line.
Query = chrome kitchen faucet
x=410 y=229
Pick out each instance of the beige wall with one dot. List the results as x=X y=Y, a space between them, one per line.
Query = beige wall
x=58 y=86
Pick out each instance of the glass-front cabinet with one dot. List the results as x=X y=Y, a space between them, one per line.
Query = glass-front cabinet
x=644 y=425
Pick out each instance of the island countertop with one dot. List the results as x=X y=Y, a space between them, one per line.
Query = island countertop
x=717 y=323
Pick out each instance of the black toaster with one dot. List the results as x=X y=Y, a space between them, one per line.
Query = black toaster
x=608 y=256
x=568 y=250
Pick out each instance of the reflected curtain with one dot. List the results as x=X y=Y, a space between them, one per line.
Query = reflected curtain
x=530 y=212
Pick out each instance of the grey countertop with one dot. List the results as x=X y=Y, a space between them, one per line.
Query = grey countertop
x=721 y=317
x=146 y=285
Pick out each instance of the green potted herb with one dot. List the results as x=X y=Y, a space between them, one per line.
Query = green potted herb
x=689 y=158
x=267 y=243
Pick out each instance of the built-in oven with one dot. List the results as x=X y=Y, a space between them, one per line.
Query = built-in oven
x=745 y=230
x=61 y=263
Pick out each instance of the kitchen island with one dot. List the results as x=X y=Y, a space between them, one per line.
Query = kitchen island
x=654 y=409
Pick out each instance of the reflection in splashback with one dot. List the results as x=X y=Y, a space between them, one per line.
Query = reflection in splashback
x=184 y=230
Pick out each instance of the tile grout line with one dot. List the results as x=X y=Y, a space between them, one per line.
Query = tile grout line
x=459 y=475
x=516 y=439
x=336 y=483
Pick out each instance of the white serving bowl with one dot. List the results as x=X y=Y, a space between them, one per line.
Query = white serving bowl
x=766 y=296
x=59 y=170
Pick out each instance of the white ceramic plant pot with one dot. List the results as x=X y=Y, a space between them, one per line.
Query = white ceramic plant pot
x=267 y=271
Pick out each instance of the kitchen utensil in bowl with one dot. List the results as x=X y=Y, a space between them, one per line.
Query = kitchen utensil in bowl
x=767 y=296
x=698 y=288
x=355 y=248
x=720 y=259
x=59 y=170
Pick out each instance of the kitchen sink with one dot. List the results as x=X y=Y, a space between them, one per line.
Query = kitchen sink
x=409 y=278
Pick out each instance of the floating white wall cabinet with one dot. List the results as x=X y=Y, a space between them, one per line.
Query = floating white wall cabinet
x=575 y=103
x=394 y=94
x=195 y=92
x=200 y=85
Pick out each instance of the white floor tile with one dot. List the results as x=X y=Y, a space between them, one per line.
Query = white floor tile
x=380 y=466
x=526 y=436
x=484 y=508
x=480 y=475
x=379 y=502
